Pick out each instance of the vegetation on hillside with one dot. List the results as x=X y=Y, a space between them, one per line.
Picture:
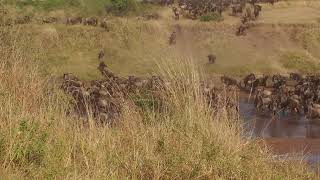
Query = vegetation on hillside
x=86 y=7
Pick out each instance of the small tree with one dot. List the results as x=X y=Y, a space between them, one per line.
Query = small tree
x=121 y=7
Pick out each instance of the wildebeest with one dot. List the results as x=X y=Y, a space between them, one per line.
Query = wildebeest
x=256 y=10
x=101 y=55
x=74 y=20
x=172 y=38
x=166 y=2
x=22 y=20
x=296 y=76
x=211 y=58
x=50 y=20
x=151 y=16
x=229 y=81
x=176 y=13
x=160 y=2
x=249 y=79
x=91 y=21
x=263 y=104
x=241 y=30
x=313 y=111
x=237 y=9
x=253 y=2
x=271 y=1
x=104 y=71
x=3 y=11
x=104 y=24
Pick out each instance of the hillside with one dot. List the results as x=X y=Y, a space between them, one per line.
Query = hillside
x=272 y=44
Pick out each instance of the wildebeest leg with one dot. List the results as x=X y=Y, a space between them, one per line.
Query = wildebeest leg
x=250 y=92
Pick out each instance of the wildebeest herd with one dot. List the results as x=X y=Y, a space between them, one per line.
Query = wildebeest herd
x=292 y=93
x=76 y=20
x=104 y=99
x=272 y=94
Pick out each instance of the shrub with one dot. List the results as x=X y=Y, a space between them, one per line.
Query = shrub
x=49 y=4
x=121 y=7
x=299 y=62
x=211 y=17
x=30 y=147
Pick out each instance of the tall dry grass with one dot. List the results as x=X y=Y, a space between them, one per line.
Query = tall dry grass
x=38 y=141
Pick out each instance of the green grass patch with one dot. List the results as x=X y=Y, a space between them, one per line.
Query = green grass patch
x=211 y=17
x=299 y=62
x=87 y=7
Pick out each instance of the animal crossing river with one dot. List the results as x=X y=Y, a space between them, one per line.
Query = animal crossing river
x=285 y=134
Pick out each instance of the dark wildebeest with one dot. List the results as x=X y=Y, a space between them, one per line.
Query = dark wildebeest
x=91 y=21
x=313 y=111
x=296 y=76
x=253 y=2
x=219 y=9
x=236 y=9
x=74 y=20
x=245 y=19
x=271 y=1
x=3 y=11
x=104 y=71
x=256 y=10
x=23 y=20
x=176 y=13
x=104 y=24
x=211 y=58
x=101 y=55
x=229 y=81
x=249 y=79
x=166 y=2
x=172 y=39
x=242 y=29
x=50 y=20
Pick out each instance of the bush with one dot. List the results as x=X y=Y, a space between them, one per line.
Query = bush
x=211 y=17
x=300 y=62
x=49 y=4
x=122 y=7
x=30 y=146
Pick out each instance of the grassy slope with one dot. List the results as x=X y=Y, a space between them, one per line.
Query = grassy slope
x=38 y=141
x=135 y=46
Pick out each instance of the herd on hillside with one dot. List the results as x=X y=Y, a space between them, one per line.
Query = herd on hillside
x=272 y=94
x=248 y=10
x=105 y=99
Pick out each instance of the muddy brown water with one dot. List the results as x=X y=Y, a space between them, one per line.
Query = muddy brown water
x=284 y=134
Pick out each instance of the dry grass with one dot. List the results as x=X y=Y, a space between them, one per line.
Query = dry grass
x=38 y=141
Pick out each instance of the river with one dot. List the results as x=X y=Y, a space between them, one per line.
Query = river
x=284 y=133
